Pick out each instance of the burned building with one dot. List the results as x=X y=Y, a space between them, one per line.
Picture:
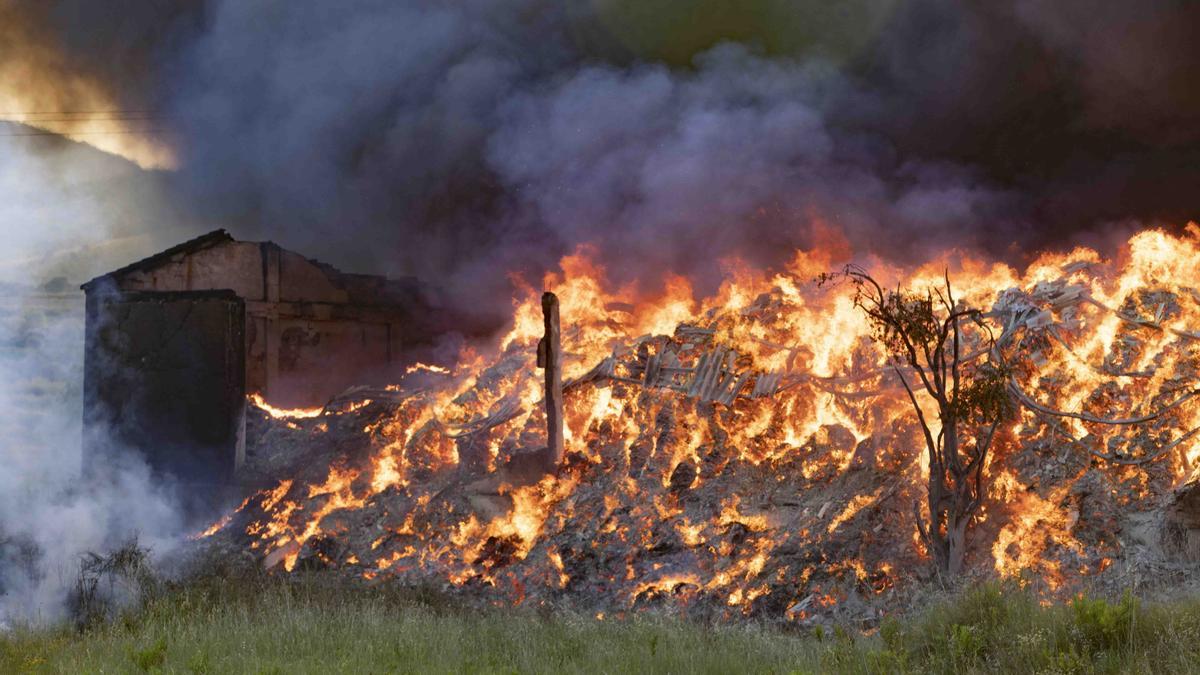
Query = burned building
x=176 y=342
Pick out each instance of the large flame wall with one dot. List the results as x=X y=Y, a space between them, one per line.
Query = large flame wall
x=784 y=503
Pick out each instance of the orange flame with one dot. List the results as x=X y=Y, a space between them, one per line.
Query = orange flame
x=803 y=400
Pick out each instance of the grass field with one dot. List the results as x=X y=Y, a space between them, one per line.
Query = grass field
x=272 y=627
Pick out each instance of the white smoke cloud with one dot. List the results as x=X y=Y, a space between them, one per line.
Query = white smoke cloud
x=50 y=515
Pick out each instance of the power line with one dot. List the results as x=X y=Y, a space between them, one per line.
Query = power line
x=66 y=134
x=52 y=125
x=73 y=117
x=76 y=118
x=76 y=123
x=81 y=117
x=80 y=112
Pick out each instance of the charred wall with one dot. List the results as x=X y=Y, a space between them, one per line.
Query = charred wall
x=311 y=330
x=164 y=375
x=175 y=343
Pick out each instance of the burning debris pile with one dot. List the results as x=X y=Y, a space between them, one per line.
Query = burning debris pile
x=749 y=455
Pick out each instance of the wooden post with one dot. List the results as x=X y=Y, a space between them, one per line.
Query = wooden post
x=550 y=359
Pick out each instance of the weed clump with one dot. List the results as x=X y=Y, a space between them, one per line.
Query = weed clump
x=105 y=583
x=999 y=627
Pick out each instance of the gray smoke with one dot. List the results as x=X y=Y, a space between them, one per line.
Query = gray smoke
x=463 y=141
x=672 y=170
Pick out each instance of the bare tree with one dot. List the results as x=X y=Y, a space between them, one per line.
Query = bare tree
x=944 y=351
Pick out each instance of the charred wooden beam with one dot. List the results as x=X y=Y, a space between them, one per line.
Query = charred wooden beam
x=550 y=359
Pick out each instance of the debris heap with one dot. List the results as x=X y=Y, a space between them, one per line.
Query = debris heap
x=751 y=455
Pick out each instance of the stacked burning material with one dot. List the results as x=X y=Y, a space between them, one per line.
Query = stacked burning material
x=752 y=454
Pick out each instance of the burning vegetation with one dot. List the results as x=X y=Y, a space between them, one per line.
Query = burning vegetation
x=786 y=449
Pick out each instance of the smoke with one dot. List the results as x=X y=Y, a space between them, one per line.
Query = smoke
x=69 y=211
x=463 y=141
x=671 y=171
x=49 y=515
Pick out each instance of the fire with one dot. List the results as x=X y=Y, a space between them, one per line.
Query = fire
x=219 y=524
x=851 y=510
x=1036 y=521
x=282 y=413
x=753 y=446
x=426 y=368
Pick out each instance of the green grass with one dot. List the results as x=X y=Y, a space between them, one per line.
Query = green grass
x=309 y=628
x=270 y=627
